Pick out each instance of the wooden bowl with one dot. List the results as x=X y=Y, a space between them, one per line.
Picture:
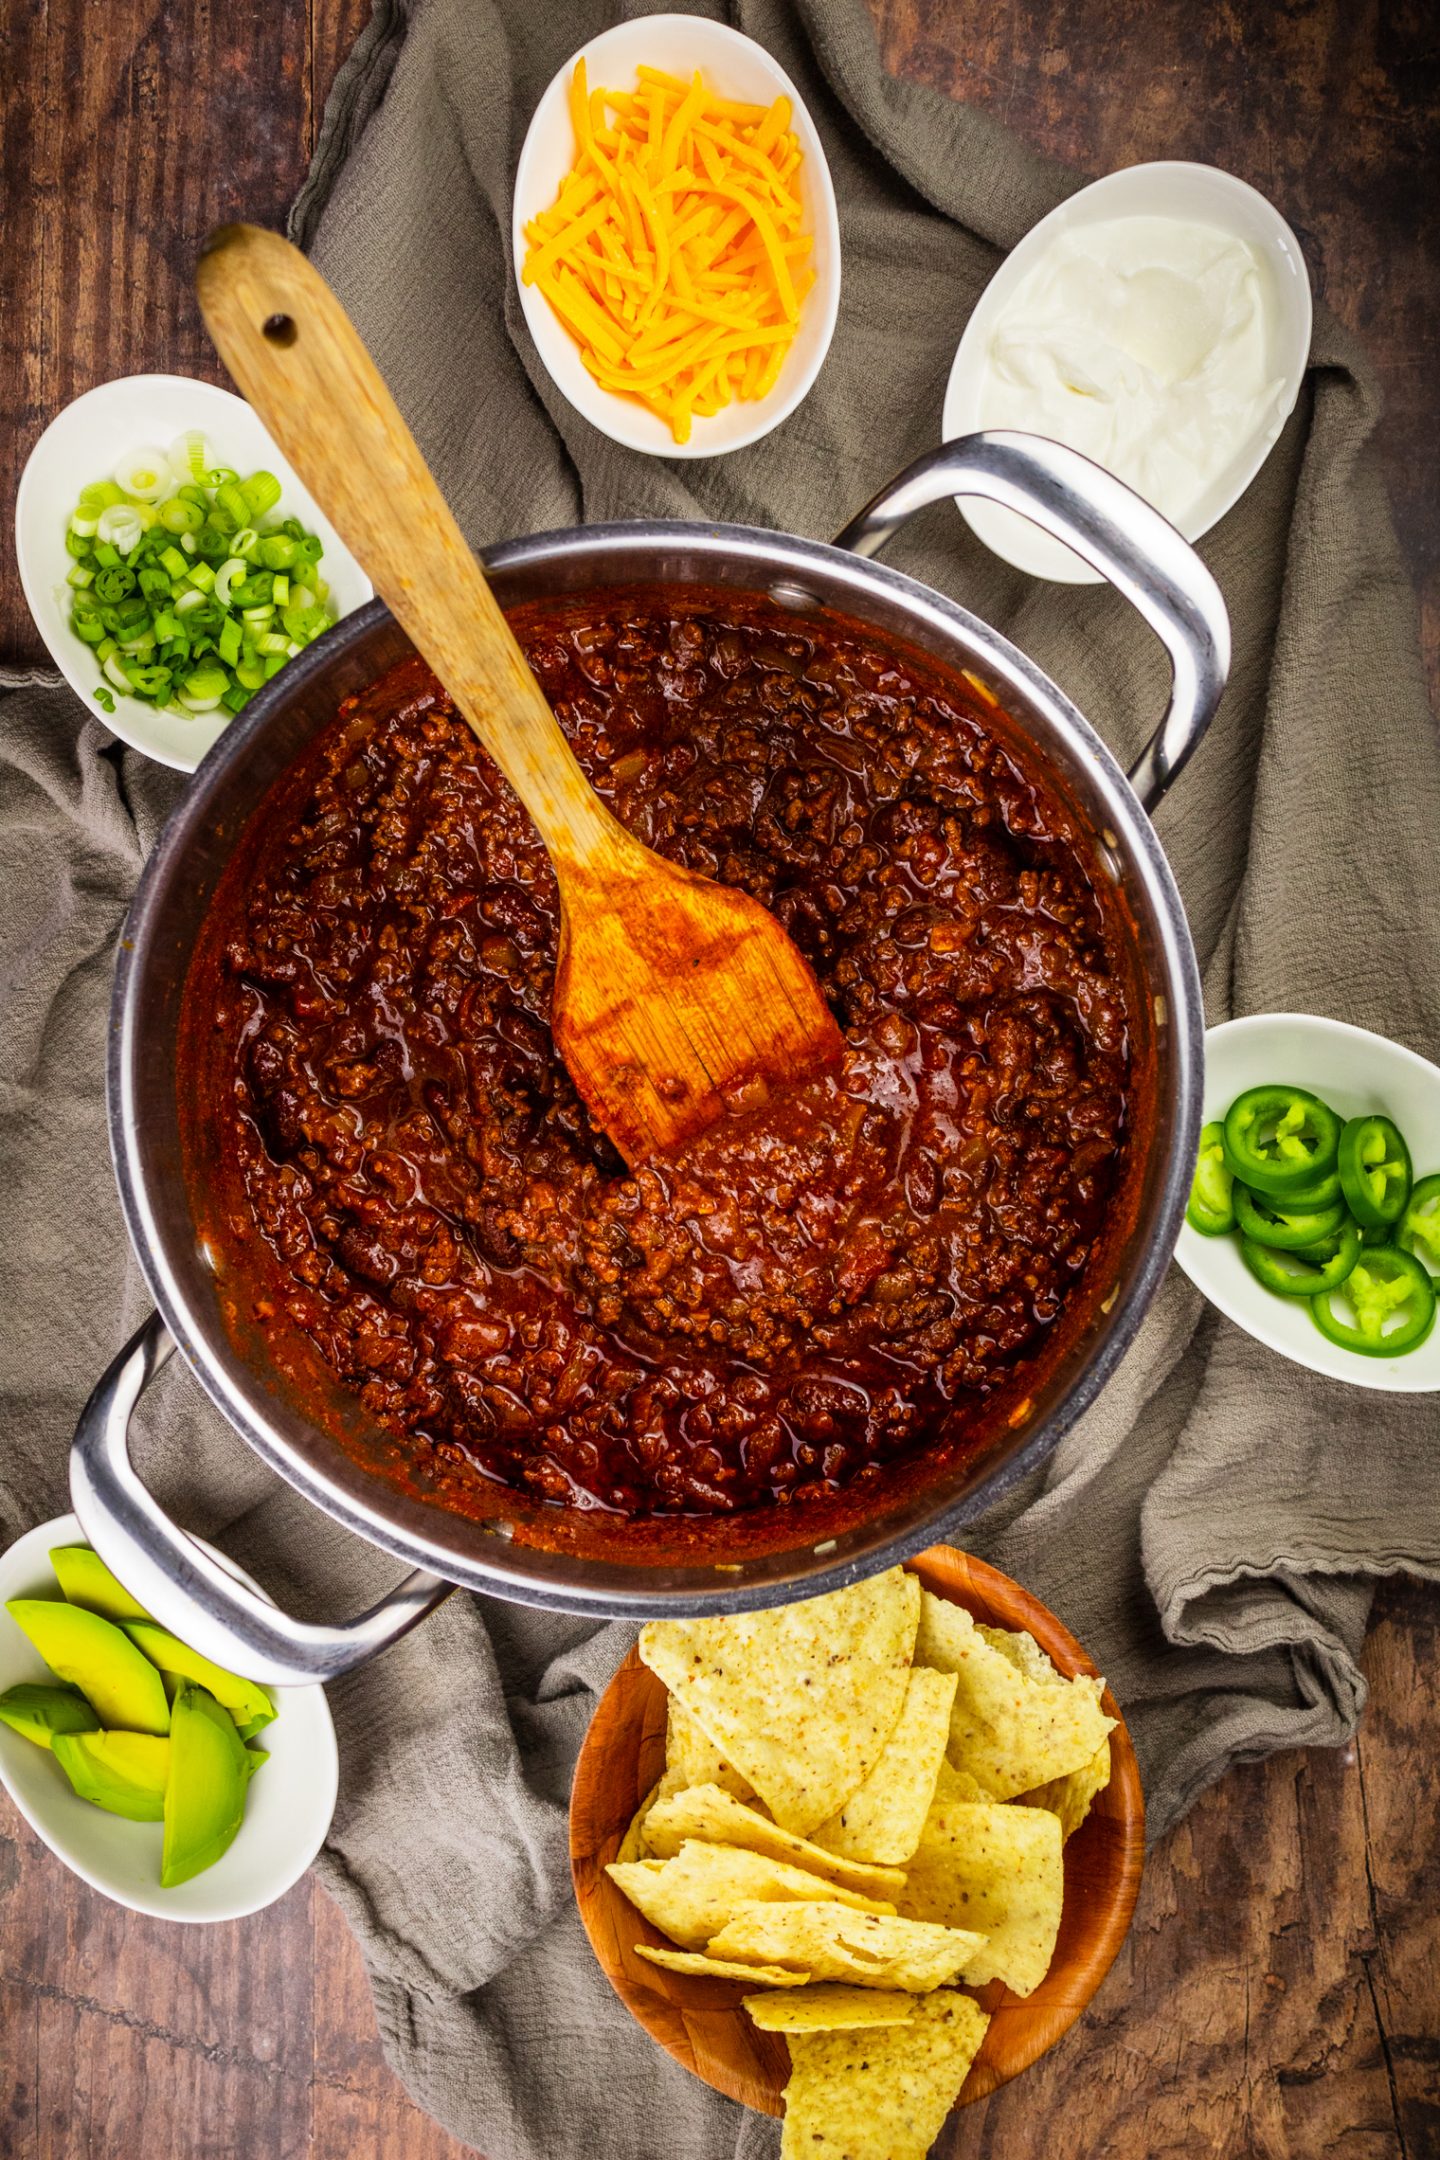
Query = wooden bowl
x=700 y=2020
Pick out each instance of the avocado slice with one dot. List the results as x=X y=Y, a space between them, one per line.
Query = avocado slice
x=39 y=1710
x=247 y=1702
x=123 y=1772
x=85 y=1580
x=94 y=1655
x=205 y=1796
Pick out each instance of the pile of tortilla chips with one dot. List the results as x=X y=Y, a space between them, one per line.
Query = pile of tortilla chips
x=864 y=1803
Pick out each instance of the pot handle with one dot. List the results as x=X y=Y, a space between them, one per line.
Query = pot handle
x=1117 y=533
x=188 y=1591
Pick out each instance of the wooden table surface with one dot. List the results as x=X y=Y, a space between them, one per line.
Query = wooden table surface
x=1279 y=1993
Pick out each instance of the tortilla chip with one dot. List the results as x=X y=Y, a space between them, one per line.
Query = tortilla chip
x=829 y=2009
x=880 y=2095
x=690 y=1751
x=1024 y=1653
x=690 y=1898
x=708 y=1813
x=632 y=1845
x=690 y=1961
x=953 y=1784
x=1009 y=1731
x=1069 y=1797
x=836 y=1943
x=998 y=1869
x=883 y=1819
x=800 y=1699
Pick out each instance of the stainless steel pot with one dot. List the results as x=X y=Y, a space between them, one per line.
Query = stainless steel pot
x=1118 y=534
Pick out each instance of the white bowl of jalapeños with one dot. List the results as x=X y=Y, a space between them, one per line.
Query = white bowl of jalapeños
x=1357 y=1076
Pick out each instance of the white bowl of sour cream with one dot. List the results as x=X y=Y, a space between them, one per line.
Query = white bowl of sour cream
x=1159 y=322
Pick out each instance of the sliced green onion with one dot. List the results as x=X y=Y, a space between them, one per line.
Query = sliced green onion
x=190 y=456
x=229 y=575
x=104 y=700
x=233 y=501
x=179 y=516
x=152 y=682
x=184 y=601
x=145 y=474
x=261 y=491
x=118 y=526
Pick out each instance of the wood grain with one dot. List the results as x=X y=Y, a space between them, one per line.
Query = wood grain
x=699 y=2020
x=1277 y=1997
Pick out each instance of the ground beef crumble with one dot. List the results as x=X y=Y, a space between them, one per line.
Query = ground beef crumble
x=814 y=1289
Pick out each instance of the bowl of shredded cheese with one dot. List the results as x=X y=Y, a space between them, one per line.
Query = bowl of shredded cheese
x=676 y=241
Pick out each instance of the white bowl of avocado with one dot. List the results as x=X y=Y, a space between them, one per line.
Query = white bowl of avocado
x=173 y=1786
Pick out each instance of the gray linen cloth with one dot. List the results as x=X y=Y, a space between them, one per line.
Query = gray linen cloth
x=1215 y=1526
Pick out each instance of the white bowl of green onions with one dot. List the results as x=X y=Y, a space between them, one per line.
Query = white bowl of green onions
x=172 y=561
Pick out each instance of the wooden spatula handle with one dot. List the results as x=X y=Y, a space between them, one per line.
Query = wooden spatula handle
x=300 y=361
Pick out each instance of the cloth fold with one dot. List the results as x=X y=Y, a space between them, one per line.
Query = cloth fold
x=1214 y=1526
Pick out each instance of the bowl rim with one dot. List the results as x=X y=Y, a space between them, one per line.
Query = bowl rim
x=68 y=1530
x=1193 y=1253
x=604 y=410
x=132 y=720
x=684 y=2012
x=1040 y=556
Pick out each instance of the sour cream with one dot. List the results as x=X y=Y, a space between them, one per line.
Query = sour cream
x=1147 y=343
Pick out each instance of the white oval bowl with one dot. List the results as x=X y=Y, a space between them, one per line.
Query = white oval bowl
x=1169 y=188
x=85 y=442
x=1357 y=1073
x=288 y=1804
x=735 y=67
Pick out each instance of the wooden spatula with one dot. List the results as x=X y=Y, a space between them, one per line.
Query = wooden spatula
x=675 y=998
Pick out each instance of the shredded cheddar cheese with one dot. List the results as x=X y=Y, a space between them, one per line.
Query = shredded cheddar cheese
x=675 y=253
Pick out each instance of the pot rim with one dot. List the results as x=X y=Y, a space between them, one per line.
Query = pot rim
x=776 y=564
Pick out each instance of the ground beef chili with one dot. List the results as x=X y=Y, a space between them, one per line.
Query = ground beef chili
x=817 y=1292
